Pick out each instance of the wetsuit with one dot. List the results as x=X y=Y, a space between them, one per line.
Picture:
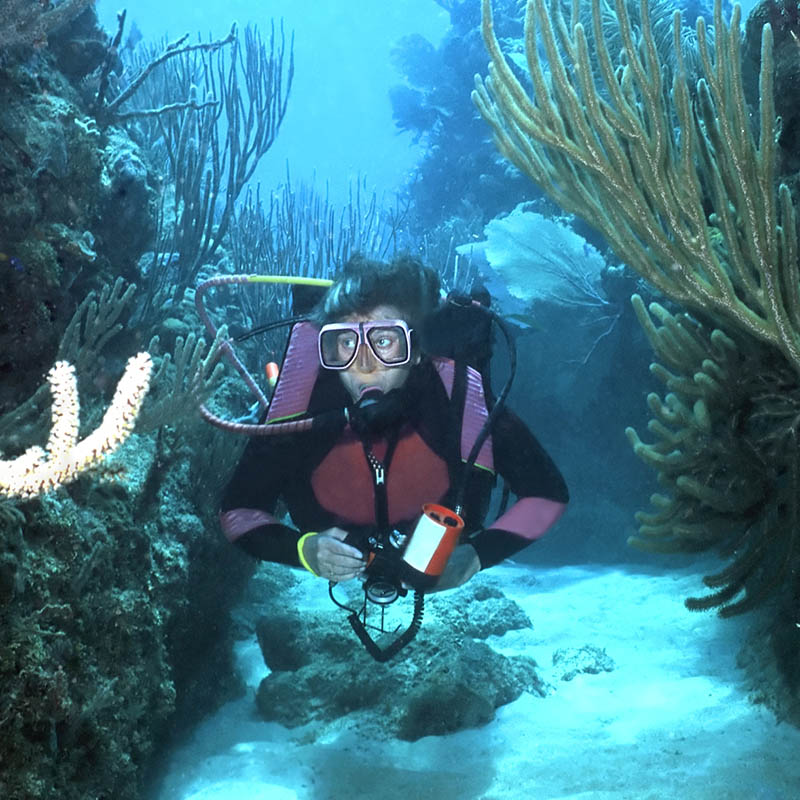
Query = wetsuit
x=381 y=478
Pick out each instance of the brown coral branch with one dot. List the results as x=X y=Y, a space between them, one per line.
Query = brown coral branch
x=176 y=48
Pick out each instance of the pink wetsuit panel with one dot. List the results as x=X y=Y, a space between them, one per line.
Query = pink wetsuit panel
x=238 y=521
x=530 y=517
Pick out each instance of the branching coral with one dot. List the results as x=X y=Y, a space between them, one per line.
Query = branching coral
x=642 y=168
x=726 y=452
x=64 y=458
x=231 y=108
x=179 y=383
x=685 y=193
x=179 y=390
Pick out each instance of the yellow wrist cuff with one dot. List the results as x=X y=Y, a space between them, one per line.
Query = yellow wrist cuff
x=300 y=555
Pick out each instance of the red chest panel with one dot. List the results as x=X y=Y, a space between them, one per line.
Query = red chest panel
x=343 y=482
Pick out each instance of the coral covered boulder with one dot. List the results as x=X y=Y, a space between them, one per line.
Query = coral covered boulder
x=446 y=680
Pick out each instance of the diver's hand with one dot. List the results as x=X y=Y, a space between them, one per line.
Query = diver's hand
x=328 y=555
x=461 y=566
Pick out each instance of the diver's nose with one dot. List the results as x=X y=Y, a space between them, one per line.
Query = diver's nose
x=365 y=360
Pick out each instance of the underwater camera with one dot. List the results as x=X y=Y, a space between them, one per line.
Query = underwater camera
x=384 y=581
x=396 y=563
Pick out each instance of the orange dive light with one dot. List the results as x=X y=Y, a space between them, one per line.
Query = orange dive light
x=432 y=542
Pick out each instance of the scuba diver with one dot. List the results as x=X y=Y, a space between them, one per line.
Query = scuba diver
x=406 y=434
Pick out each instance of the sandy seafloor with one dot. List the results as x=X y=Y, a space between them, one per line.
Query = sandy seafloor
x=672 y=720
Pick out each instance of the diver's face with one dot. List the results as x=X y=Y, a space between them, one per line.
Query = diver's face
x=366 y=372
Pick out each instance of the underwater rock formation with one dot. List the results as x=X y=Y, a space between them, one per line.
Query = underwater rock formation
x=101 y=591
x=25 y=25
x=570 y=662
x=446 y=680
x=76 y=208
x=102 y=582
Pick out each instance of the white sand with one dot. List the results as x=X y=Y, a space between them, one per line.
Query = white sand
x=671 y=721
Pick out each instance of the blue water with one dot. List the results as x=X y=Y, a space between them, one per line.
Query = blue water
x=339 y=122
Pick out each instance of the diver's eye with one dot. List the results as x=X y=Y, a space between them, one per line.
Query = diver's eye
x=347 y=342
x=385 y=339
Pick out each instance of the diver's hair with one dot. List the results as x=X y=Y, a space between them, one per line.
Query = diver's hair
x=405 y=282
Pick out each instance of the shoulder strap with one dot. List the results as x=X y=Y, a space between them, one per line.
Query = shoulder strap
x=469 y=385
x=297 y=376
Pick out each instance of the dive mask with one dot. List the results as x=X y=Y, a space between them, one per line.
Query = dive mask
x=389 y=340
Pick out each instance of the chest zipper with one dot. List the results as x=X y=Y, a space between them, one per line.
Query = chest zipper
x=378 y=471
x=379 y=475
x=381 y=497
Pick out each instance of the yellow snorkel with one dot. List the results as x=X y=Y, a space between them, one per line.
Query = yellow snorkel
x=291 y=280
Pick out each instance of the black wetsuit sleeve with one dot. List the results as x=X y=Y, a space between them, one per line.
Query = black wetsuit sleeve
x=250 y=502
x=533 y=477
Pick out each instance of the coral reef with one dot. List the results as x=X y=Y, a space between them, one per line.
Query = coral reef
x=101 y=590
x=459 y=174
x=682 y=184
x=25 y=25
x=619 y=163
x=102 y=580
x=66 y=188
x=647 y=191
x=726 y=452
